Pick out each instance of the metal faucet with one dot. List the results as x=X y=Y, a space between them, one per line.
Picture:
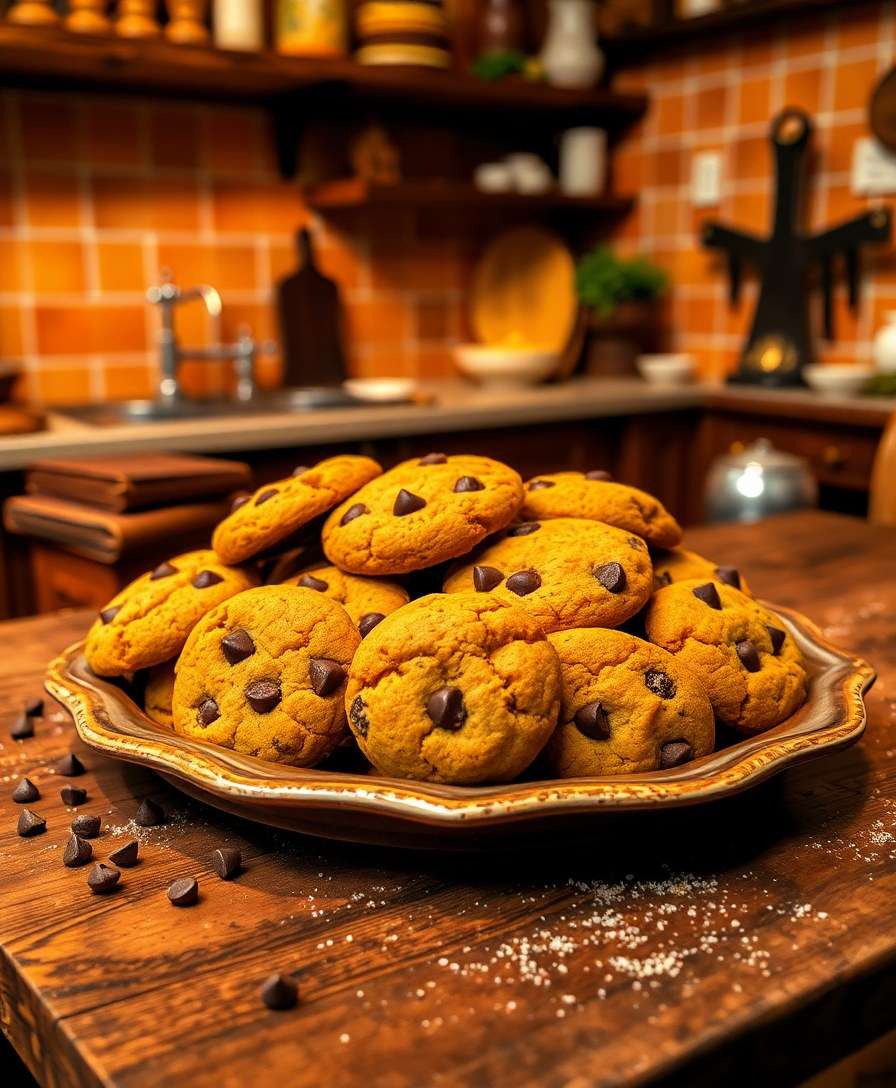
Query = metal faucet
x=166 y=295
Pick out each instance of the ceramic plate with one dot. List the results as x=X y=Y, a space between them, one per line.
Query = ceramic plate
x=369 y=808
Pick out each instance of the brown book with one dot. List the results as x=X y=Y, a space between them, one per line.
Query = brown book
x=136 y=482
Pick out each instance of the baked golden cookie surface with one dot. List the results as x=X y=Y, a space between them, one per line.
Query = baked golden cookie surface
x=149 y=620
x=367 y=600
x=276 y=511
x=458 y=688
x=627 y=706
x=565 y=572
x=679 y=565
x=420 y=513
x=265 y=674
x=593 y=496
x=750 y=665
x=159 y=692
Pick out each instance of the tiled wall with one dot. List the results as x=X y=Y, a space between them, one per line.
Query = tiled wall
x=721 y=98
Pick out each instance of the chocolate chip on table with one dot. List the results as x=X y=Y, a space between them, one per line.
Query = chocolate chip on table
x=486 y=578
x=446 y=708
x=206 y=578
x=729 y=575
x=108 y=614
x=30 y=823
x=103 y=878
x=611 y=576
x=207 y=712
x=86 y=825
x=353 y=512
x=265 y=496
x=149 y=814
x=77 y=852
x=406 y=502
x=239 y=501
x=358 y=717
x=279 y=993
x=184 y=892
x=26 y=792
x=368 y=621
x=310 y=582
x=709 y=595
x=227 y=862
x=598 y=474
x=263 y=695
x=300 y=470
x=433 y=459
x=524 y=529
x=675 y=752
x=22 y=727
x=126 y=856
x=237 y=646
x=34 y=707
x=540 y=485
x=660 y=683
x=469 y=483
x=326 y=676
x=523 y=582
x=591 y=720
x=163 y=570
x=777 y=636
x=73 y=795
x=70 y=766
x=749 y=656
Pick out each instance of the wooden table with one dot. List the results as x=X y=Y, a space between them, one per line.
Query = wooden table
x=760 y=932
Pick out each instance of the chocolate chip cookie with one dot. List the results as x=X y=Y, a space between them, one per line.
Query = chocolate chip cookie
x=458 y=688
x=159 y=692
x=679 y=564
x=565 y=572
x=367 y=600
x=749 y=663
x=627 y=706
x=149 y=620
x=592 y=495
x=420 y=513
x=275 y=511
x=265 y=674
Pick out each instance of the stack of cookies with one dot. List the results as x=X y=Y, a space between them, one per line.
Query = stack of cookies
x=461 y=626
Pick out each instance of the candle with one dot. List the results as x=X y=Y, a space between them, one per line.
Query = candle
x=238 y=24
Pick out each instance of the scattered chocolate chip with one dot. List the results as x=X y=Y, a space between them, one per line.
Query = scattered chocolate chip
x=70 y=766
x=777 y=636
x=149 y=814
x=523 y=582
x=326 y=676
x=30 y=823
x=126 y=856
x=236 y=646
x=729 y=575
x=103 y=878
x=486 y=578
x=469 y=483
x=524 y=529
x=73 y=795
x=675 y=752
x=709 y=595
x=591 y=720
x=87 y=826
x=22 y=727
x=263 y=695
x=207 y=712
x=659 y=683
x=77 y=852
x=540 y=485
x=300 y=470
x=26 y=792
x=433 y=459
x=748 y=655
x=265 y=496
x=227 y=862
x=310 y=582
x=108 y=614
x=662 y=579
x=163 y=570
x=239 y=501
x=611 y=576
x=446 y=708
x=358 y=717
x=279 y=993
x=406 y=502
x=34 y=708
x=206 y=578
x=184 y=892
x=368 y=621
x=598 y=474
x=353 y=512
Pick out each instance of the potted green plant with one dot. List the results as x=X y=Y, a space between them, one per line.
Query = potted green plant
x=619 y=297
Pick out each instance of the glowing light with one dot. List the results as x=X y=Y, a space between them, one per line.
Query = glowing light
x=751 y=482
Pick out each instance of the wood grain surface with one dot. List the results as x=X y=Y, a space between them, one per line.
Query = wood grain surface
x=760 y=932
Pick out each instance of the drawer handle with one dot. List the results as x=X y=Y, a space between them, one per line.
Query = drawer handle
x=833 y=456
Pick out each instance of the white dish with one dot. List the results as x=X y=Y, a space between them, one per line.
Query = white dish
x=493 y=365
x=837 y=379
x=666 y=369
x=380 y=390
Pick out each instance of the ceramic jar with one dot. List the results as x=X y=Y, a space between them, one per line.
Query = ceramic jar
x=884 y=349
x=570 y=56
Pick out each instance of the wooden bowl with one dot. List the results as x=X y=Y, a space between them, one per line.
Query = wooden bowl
x=369 y=808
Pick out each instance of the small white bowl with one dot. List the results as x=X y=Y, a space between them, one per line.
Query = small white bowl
x=495 y=366
x=380 y=390
x=666 y=369
x=837 y=379
x=493 y=177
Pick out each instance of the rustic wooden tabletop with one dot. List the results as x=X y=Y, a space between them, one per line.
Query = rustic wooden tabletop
x=760 y=931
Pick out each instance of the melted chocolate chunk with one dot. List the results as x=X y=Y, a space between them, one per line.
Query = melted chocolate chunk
x=108 y=614
x=126 y=856
x=103 y=878
x=265 y=496
x=675 y=752
x=149 y=814
x=729 y=575
x=433 y=459
x=70 y=766
x=749 y=656
x=598 y=474
x=77 y=852
x=358 y=716
x=279 y=993
x=446 y=708
x=469 y=483
x=406 y=502
x=709 y=595
x=591 y=720
x=227 y=862
x=263 y=695
x=353 y=512
x=540 y=485
x=207 y=711
x=206 y=578
x=326 y=676
x=368 y=621
x=310 y=582
x=611 y=576
x=524 y=529
x=300 y=470
x=26 y=792
x=660 y=580
x=30 y=823
x=660 y=683
x=87 y=826
x=183 y=892
x=523 y=582
x=236 y=646
x=239 y=501
x=163 y=570
x=777 y=636
x=486 y=578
